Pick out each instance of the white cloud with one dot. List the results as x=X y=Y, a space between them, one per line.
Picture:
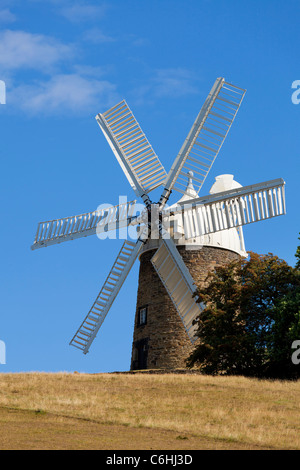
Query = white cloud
x=91 y=70
x=164 y=83
x=173 y=82
x=77 y=11
x=80 y=12
x=59 y=86
x=96 y=36
x=20 y=49
x=52 y=83
x=6 y=16
x=65 y=93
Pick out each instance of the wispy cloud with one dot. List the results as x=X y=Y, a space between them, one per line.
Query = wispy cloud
x=173 y=82
x=46 y=76
x=6 y=16
x=65 y=93
x=96 y=36
x=91 y=70
x=164 y=83
x=20 y=49
x=54 y=84
x=80 y=12
x=77 y=11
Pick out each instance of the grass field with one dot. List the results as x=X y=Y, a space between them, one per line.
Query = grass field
x=147 y=411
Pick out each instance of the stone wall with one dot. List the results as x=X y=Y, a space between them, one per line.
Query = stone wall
x=162 y=343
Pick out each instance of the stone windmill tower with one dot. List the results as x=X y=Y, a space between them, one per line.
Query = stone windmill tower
x=160 y=339
x=177 y=245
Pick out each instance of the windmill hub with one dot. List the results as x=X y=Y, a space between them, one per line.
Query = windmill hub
x=151 y=217
x=145 y=215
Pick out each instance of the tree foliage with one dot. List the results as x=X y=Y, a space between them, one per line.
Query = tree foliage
x=297 y=255
x=251 y=318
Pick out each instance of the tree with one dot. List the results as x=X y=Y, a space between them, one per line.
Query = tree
x=250 y=320
x=297 y=255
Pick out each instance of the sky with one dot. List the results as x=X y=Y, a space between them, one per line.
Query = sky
x=65 y=61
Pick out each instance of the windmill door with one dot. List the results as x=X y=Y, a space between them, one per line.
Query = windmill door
x=140 y=354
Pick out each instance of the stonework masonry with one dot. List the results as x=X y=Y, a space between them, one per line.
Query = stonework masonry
x=162 y=342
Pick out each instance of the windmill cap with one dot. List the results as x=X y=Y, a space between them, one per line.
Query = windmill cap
x=224 y=183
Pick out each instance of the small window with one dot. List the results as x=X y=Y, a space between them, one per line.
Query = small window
x=142 y=319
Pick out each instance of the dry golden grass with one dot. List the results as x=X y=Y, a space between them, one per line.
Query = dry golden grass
x=197 y=411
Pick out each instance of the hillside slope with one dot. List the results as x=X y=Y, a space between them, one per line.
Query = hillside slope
x=145 y=411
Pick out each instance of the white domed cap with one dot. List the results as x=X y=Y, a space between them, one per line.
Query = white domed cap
x=232 y=238
x=224 y=183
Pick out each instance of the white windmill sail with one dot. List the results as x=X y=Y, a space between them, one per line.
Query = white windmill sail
x=233 y=208
x=78 y=226
x=179 y=284
x=89 y=328
x=117 y=217
x=205 y=138
x=137 y=158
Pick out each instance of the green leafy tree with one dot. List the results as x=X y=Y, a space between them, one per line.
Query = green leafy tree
x=250 y=320
x=298 y=257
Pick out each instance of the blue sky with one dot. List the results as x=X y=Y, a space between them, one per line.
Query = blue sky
x=65 y=61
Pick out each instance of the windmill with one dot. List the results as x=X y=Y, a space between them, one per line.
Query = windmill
x=229 y=206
